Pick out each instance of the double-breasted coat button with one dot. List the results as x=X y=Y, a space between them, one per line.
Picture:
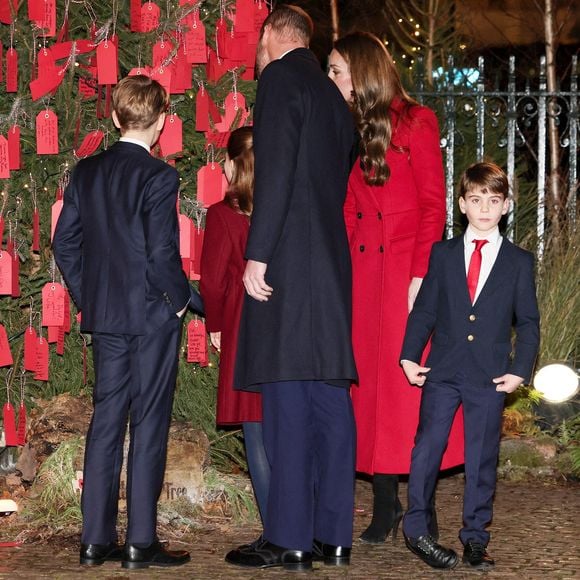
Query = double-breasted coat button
x=381 y=249
x=470 y=337
x=380 y=215
x=362 y=248
x=472 y=318
x=359 y=215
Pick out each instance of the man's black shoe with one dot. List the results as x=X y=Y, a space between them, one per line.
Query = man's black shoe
x=154 y=555
x=97 y=554
x=330 y=555
x=431 y=552
x=264 y=554
x=475 y=555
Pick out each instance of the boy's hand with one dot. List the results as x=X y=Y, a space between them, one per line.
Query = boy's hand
x=254 y=281
x=416 y=374
x=414 y=288
x=508 y=383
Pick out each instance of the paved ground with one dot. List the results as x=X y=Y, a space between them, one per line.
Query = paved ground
x=534 y=536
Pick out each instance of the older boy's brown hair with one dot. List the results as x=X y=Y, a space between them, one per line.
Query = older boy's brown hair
x=291 y=22
x=490 y=177
x=138 y=102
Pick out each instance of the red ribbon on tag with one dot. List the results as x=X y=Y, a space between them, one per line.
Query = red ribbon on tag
x=5 y=354
x=60 y=340
x=11 y=71
x=53 y=303
x=30 y=349
x=46 y=133
x=21 y=430
x=197 y=343
x=14 y=157
x=41 y=369
x=9 y=425
x=15 y=275
x=90 y=144
x=6 y=263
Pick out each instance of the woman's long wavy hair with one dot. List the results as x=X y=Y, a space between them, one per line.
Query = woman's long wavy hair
x=376 y=82
x=240 y=193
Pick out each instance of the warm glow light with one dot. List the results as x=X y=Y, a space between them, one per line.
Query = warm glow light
x=556 y=383
x=417 y=33
x=7 y=506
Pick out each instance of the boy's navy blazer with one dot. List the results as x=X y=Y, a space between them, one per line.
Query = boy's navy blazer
x=117 y=242
x=475 y=340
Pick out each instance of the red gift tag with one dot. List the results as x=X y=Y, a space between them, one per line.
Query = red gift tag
x=195 y=43
x=53 y=302
x=6 y=11
x=209 y=184
x=181 y=77
x=107 y=63
x=30 y=349
x=15 y=275
x=10 y=245
x=21 y=430
x=216 y=67
x=36 y=230
x=171 y=138
x=47 y=22
x=185 y=232
x=196 y=342
x=35 y=9
x=260 y=14
x=197 y=244
x=55 y=214
x=46 y=133
x=9 y=425
x=4 y=158
x=11 y=71
x=162 y=76
x=90 y=144
x=135 y=15
x=149 y=16
x=41 y=369
x=52 y=334
x=88 y=84
x=244 y=16
x=161 y=50
x=60 y=341
x=234 y=106
x=5 y=272
x=202 y=110
x=5 y=354
x=14 y=147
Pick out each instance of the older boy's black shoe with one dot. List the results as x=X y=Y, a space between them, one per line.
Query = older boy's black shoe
x=475 y=555
x=264 y=554
x=431 y=552
x=97 y=554
x=154 y=555
x=330 y=555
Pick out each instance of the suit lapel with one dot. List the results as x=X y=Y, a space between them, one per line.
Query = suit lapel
x=458 y=275
x=498 y=272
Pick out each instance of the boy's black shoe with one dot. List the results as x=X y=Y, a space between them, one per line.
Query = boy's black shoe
x=330 y=555
x=97 y=554
x=264 y=554
x=431 y=552
x=475 y=555
x=154 y=555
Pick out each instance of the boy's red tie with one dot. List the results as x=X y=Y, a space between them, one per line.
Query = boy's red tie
x=474 y=268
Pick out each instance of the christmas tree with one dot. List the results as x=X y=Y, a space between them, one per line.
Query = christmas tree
x=60 y=61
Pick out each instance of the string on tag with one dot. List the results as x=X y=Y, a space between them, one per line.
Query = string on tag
x=234 y=72
x=210 y=155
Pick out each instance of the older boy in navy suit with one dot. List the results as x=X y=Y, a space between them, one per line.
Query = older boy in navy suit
x=478 y=288
x=116 y=244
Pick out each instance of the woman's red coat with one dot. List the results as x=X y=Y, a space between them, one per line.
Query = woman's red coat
x=391 y=229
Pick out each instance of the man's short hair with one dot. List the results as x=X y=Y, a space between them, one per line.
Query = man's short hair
x=138 y=102
x=486 y=175
x=290 y=22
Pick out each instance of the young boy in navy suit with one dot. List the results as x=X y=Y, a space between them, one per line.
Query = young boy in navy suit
x=116 y=244
x=478 y=288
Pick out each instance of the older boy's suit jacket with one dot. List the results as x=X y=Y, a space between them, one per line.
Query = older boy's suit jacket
x=475 y=339
x=116 y=242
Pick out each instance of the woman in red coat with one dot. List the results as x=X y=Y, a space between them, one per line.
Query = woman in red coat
x=394 y=212
x=222 y=267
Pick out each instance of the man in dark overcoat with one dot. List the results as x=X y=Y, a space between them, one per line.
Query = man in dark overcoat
x=295 y=335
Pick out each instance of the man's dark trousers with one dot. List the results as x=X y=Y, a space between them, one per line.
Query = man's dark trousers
x=134 y=378
x=309 y=436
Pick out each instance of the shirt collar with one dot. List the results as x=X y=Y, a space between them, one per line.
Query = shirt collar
x=492 y=237
x=288 y=51
x=136 y=142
